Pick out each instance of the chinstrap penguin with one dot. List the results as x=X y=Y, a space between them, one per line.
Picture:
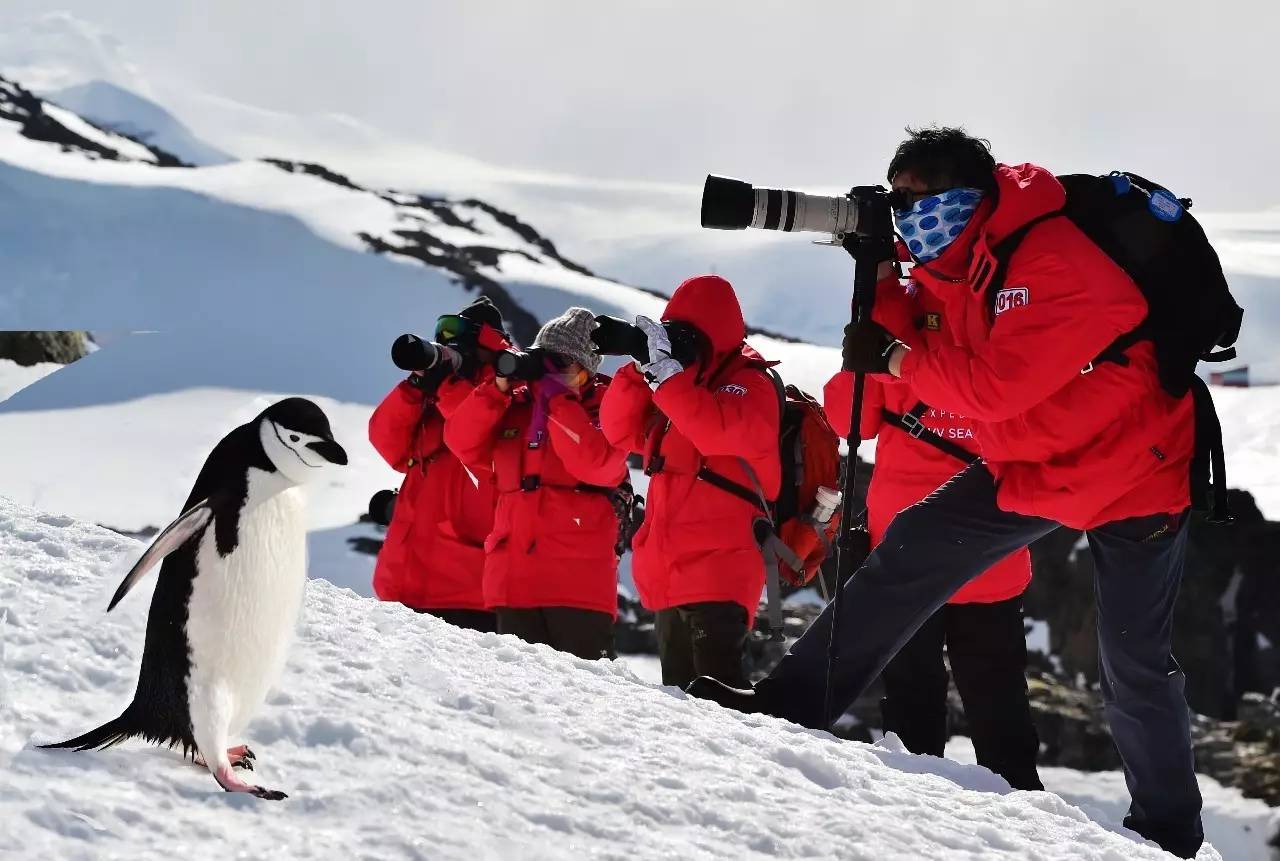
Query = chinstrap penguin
x=228 y=594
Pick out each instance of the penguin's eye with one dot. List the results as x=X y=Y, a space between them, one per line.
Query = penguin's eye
x=293 y=437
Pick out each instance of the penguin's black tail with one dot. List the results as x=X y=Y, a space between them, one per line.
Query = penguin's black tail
x=109 y=734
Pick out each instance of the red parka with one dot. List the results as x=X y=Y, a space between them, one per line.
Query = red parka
x=433 y=556
x=1072 y=443
x=696 y=543
x=555 y=528
x=907 y=470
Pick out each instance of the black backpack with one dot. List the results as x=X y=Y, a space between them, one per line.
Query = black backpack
x=1191 y=317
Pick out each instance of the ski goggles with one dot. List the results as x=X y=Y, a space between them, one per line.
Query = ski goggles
x=458 y=330
x=452 y=327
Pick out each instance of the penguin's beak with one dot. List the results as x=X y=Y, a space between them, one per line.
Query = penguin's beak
x=330 y=451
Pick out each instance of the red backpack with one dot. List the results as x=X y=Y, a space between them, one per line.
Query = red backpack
x=794 y=542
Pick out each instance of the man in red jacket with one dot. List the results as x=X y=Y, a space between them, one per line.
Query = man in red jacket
x=550 y=571
x=981 y=625
x=433 y=557
x=1064 y=440
x=702 y=405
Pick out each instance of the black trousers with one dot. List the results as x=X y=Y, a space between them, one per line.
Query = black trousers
x=473 y=620
x=587 y=634
x=987 y=648
x=936 y=546
x=704 y=639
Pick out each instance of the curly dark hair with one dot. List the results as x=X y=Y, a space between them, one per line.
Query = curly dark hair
x=945 y=158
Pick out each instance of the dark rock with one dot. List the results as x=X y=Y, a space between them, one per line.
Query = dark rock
x=30 y=348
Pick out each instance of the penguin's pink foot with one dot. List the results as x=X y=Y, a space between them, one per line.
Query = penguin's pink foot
x=241 y=757
x=230 y=781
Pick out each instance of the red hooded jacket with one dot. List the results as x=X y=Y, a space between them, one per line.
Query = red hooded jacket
x=555 y=528
x=433 y=556
x=1081 y=448
x=696 y=543
x=907 y=470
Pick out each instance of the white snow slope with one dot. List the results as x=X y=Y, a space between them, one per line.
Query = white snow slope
x=398 y=736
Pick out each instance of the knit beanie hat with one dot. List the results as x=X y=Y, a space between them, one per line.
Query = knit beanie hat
x=570 y=335
x=483 y=311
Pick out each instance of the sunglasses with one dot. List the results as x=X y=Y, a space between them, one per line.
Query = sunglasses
x=903 y=200
x=560 y=362
x=451 y=327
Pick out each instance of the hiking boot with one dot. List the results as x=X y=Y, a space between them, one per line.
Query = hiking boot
x=744 y=700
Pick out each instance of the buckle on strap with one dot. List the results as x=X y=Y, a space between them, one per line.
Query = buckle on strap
x=1087 y=369
x=913 y=426
x=530 y=483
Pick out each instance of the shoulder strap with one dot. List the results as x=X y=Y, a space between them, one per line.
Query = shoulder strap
x=1208 y=461
x=911 y=424
x=1002 y=252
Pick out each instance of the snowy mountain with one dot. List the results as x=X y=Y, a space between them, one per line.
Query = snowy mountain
x=275 y=253
x=112 y=107
x=400 y=735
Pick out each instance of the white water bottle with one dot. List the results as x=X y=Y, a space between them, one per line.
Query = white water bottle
x=826 y=501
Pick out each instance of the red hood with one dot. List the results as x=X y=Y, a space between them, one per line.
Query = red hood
x=1023 y=192
x=708 y=302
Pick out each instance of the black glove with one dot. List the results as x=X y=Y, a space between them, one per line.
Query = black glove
x=614 y=337
x=430 y=380
x=867 y=346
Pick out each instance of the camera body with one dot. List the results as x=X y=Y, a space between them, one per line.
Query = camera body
x=731 y=204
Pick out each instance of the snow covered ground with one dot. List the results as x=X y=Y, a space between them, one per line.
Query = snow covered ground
x=397 y=735
x=1237 y=827
x=14 y=377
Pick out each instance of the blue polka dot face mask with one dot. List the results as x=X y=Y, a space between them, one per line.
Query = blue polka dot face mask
x=933 y=222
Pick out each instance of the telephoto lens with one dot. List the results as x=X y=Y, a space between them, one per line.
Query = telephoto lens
x=731 y=204
x=382 y=507
x=411 y=353
x=615 y=337
x=517 y=365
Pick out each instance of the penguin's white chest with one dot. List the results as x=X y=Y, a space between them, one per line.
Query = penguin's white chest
x=244 y=606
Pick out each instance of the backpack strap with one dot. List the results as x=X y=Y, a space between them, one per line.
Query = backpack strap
x=1208 y=461
x=911 y=424
x=1003 y=253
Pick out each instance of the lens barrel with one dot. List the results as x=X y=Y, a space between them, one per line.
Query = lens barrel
x=731 y=204
x=516 y=365
x=411 y=353
x=382 y=507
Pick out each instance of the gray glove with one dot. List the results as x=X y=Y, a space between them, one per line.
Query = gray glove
x=661 y=365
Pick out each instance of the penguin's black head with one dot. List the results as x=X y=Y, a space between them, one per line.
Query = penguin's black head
x=296 y=436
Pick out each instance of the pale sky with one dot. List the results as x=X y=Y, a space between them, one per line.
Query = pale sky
x=805 y=94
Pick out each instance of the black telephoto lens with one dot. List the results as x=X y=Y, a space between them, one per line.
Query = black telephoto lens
x=382 y=507
x=516 y=365
x=411 y=353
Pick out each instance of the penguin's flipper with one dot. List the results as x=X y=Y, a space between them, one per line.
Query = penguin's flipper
x=177 y=533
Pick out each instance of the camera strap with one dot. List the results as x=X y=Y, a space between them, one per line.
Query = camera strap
x=911 y=424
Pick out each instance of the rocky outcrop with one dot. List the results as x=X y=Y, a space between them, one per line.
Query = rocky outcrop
x=1227 y=618
x=31 y=348
x=21 y=106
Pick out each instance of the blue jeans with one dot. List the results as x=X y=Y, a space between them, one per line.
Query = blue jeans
x=936 y=546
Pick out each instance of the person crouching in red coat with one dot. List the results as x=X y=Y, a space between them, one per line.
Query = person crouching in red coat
x=702 y=401
x=433 y=557
x=550 y=571
x=981 y=625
